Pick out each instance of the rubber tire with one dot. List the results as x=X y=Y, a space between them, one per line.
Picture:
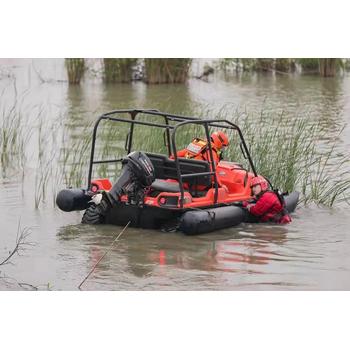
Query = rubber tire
x=93 y=215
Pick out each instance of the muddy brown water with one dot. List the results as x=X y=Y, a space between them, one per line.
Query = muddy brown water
x=310 y=254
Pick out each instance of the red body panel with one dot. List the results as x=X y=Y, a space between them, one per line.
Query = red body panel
x=101 y=184
x=233 y=182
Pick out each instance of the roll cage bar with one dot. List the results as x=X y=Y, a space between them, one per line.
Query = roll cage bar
x=170 y=133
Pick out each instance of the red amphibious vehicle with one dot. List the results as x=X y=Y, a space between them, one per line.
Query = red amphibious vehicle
x=164 y=190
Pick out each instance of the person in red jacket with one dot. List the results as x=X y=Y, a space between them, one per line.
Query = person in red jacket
x=199 y=149
x=268 y=207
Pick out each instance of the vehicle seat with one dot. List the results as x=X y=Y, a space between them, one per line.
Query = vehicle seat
x=165 y=186
x=165 y=168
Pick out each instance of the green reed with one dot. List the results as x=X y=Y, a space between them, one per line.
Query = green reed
x=328 y=66
x=46 y=158
x=74 y=157
x=167 y=70
x=75 y=69
x=279 y=65
x=118 y=70
x=264 y=64
x=283 y=64
x=14 y=134
x=309 y=65
x=287 y=150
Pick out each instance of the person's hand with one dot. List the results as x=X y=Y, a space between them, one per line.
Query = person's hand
x=245 y=204
x=249 y=206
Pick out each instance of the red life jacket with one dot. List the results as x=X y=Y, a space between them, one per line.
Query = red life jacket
x=195 y=148
x=198 y=149
x=269 y=208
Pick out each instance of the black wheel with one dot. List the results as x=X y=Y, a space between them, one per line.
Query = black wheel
x=93 y=216
x=96 y=214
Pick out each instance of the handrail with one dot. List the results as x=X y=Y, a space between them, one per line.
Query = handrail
x=182 y=120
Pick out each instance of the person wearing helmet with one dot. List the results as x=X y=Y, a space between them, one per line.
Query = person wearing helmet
x=199 y=148
x=268 y=206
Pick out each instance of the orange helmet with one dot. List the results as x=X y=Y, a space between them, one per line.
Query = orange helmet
x=259 y=180
x=219 y=139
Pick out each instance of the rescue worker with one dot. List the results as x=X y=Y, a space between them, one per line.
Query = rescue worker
x=268 y=207
x=199 y=149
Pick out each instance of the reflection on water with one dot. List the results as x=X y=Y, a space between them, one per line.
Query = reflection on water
x=163 y=253
x=245 y=257
x=311 y=253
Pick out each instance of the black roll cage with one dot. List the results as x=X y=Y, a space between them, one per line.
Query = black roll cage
x=170 y=132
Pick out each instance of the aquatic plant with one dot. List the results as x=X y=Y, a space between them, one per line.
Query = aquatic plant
x=74 y=157
x=347 y=64
x=227 y=64
x=118 y=70
x=283 y=64
x=248 y=64
x=11 y=140
x=264 y=64
x=167 y=70
x=328 y=66
x=287 y=151
x=258 y=64
x=14 y=133
x=308 y=65
x=325 y=67
x=46 y=157
x=75 y=69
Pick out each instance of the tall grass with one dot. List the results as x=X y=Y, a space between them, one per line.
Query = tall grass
x=328 y=181
x=74 y=157
x=248 y=64
x=45 y=160
x=309 y=65
x=283 y=64
x=328 y=66
x=264 y=64
x=75 y=69
x=289 y=153
x=118 y=70
x=347 y=64
x=325 y=67
x=11 y=138
x=167 y=70
x=14 y=134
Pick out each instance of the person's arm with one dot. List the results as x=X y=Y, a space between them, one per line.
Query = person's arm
x=206 y=156
x=248 y=203
x=181 y=154
x=263 y=205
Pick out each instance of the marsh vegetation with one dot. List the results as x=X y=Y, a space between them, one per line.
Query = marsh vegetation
x=285 y=150
x=75 y=69
x=118 y=70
